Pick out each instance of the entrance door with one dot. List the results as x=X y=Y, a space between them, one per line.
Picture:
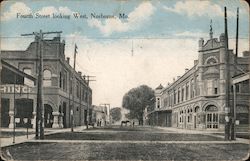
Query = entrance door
x=64 y=115
x=195 y=122
x=24 y=109
x=212 y=120
x=48 y=117
x=212 y=117
x=5 y=119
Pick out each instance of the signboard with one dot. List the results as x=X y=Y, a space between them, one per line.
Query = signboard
x=17 y=120
x=237 y=122
x=226 y=110
x=227 y=118
x=11 y=88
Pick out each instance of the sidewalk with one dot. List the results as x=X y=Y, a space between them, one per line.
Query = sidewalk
x=23 y=138
x=205 y=132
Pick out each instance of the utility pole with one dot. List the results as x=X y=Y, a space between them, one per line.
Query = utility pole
x=73 y=92
x=227 y=85
x=233 y=133
x=40 y=105
x=88 y=80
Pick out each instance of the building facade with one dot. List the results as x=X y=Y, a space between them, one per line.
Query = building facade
x=196 y=100
x=66 y=92
x=99 y=115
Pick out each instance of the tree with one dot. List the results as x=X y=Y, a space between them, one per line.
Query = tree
x=137 y=99
x=116 y=113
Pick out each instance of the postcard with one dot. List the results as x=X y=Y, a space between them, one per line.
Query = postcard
x=124 y=80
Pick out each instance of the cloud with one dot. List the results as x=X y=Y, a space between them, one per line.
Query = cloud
x=18 y=7
x=197 y=8
x=51 y=9
x=140 y=15
x=188 y=34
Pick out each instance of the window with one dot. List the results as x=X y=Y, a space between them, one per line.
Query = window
x=192 y=88
x=187 y=91
x=209 y=87
x=178 y=97
x=158 y=102
x=174 y=97
x=77 y=90
x=47 y=78
x=182 y=94
x=26 y=80
x=215 y=90
x=211 y=61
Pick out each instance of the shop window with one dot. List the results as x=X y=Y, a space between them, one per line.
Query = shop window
x=47 y=78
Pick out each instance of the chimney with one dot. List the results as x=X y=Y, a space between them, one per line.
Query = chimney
x=246 y=53
x=201 y=43
x=173 y=79
x=178 y=77
x=195 y=62
x=186 y=70
x=80 y=73
x=68 y=60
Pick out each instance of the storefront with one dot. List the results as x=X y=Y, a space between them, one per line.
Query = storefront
x=17 y=102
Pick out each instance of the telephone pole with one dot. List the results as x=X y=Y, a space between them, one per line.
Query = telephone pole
x=40 y=105
x=227 y=84
x=233 y=132
x=88 y=80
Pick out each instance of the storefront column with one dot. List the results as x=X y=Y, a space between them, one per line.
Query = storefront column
x=202 y=120
x=61 y=120
x=33 y=120
x=11 y=114
x=56 y=120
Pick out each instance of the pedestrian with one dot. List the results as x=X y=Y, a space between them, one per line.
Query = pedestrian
x=133 y=123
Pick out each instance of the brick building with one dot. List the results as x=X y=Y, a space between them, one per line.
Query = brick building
x=64 y=89
x=196 y=100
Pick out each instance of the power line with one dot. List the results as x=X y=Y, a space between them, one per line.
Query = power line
x=121 y=38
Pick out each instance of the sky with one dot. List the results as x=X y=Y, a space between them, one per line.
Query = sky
x=154 y=42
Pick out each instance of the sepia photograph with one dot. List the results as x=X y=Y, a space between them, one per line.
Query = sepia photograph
x=124 y=80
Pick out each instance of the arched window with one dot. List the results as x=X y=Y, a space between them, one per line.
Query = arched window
x=47 y=78
x=211 y=60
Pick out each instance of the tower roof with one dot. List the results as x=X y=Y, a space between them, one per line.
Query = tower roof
x=160 y=87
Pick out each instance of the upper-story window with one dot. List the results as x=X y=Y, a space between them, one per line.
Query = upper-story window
x=26 y=80
x=78 y=90
x=211 y=60
x=158 y=103
x=212 y=87
x=187 y=91
x=182 y=94
x=192 y=88
x=63 y=80
x=179 y=95
x=47 y=78
x=174 y=96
